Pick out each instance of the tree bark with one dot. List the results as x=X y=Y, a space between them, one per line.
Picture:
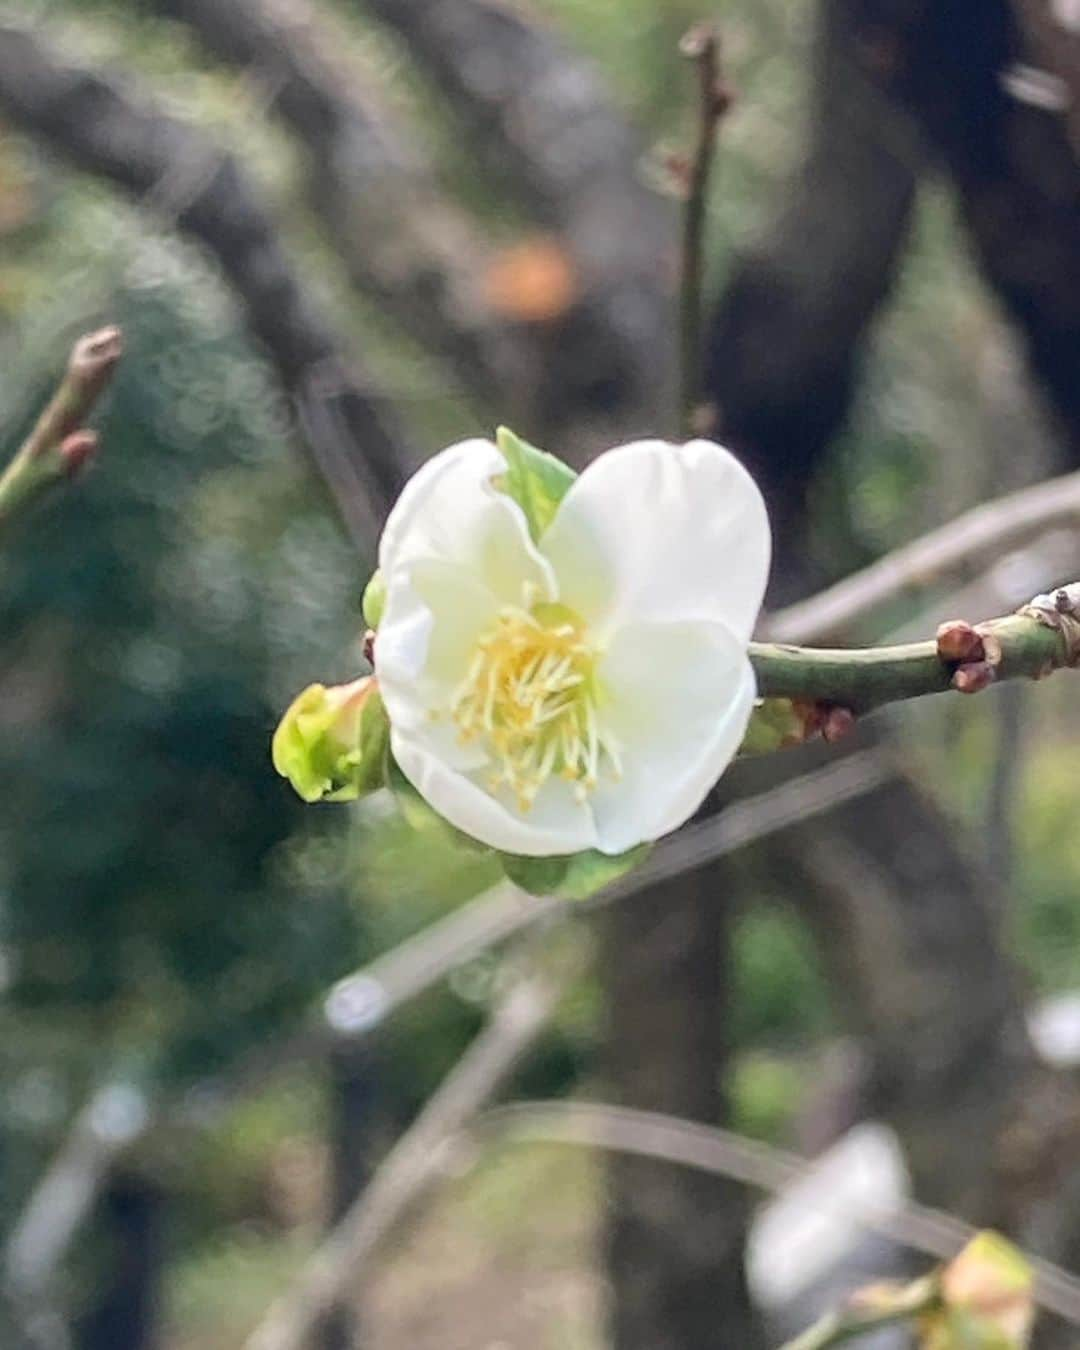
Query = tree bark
x=784 y=348
x=907 y=923
x=1015 y=171
x=675 y=1239
x=354 y=1108
x=125 y=1317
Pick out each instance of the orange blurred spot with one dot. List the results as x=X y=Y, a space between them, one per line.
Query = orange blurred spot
x=531 y=282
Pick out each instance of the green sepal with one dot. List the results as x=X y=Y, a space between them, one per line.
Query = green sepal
x=535 y=480
x=774 y=724
x=574 y=876
x=331 y=742
x=374 y=601
x=418 y=812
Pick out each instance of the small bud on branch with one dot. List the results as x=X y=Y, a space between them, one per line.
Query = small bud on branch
x=59 y=445
x=958 y=641
x=1040 y=638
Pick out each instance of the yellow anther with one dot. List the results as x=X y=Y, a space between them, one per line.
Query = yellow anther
x=531 y=691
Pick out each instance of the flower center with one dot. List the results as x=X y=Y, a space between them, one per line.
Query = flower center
x=531 y=690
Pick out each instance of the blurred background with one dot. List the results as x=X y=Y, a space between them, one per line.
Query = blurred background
x=339 y=235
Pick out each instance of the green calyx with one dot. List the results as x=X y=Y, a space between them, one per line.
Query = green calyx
x=575 y=876
x=331 y=743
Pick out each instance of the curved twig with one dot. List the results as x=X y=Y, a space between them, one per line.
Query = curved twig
x=971 y=539
x=412 y=1165
x=709 y=1148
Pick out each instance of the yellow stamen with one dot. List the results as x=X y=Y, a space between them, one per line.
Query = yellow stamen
x=531 y=691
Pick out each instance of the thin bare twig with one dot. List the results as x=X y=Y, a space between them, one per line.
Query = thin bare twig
x=99 y=126
x=115 y=1115
x=412 y=1165
x=702 y=46
x=356 y=1005
x=1055 y=42
x=708 y=1148
x=59 y=444
x=971 y=539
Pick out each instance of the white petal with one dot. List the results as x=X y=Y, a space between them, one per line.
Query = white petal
x=679 y=698
x=434 y=614
x=451 y=511
x=664 y=532
x=555 y=823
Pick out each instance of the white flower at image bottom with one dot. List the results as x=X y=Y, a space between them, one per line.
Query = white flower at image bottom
x=584 y=690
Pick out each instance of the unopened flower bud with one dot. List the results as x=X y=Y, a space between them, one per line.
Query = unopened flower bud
x=76 y=451
x=986 y=1298
x=973 y=677
x=838 y=723
x=374 y=601
x=958 y=641
x=331 y=743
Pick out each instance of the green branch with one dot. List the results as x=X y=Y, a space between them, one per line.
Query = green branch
x=1040 y=638
x=59 y=445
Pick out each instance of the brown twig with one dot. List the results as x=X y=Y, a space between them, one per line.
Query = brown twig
x=358 y=1004
x=1056 y=45
x=702 y=46
x=710 y=1148
x=971 y=539
x=59 y=444
x=411 y=1166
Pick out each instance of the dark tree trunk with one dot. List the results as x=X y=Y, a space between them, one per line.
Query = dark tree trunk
x=675 y=1244
x=125 y=1316
x=785 y=341
x=354 y=1113
x=1013 y=166
x=906 y=921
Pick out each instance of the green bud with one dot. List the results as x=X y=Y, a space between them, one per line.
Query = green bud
x=987 y=1299
x=774 y=723
x=331 y=743
x=374 y=601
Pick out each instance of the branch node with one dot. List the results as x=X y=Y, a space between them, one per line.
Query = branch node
x=1060 y=611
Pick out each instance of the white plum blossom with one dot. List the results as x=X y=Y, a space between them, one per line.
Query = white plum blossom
x=584 y=690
